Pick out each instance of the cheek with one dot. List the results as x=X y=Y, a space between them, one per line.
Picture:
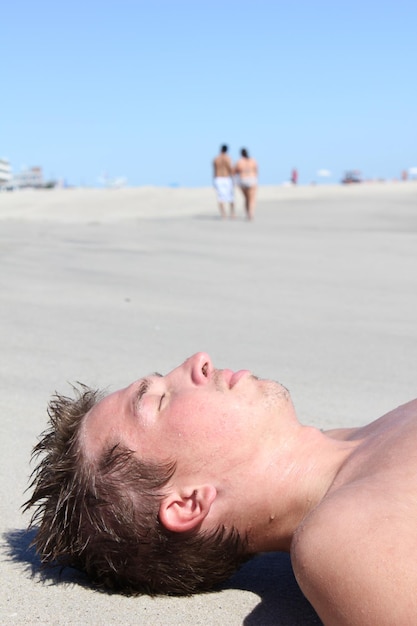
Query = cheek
x=220 y=424
x=194 y=422
x=187 y=418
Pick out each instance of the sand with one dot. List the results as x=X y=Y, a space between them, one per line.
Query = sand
x=103 y=286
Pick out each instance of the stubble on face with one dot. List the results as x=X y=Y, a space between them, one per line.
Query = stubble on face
x=274 y=393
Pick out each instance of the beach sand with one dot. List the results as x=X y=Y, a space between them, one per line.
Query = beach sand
x=103 y=286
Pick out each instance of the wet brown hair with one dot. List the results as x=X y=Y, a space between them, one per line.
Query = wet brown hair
x=103 y=517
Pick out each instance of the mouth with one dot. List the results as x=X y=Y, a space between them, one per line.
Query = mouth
x=237 y=376
x=232 y=378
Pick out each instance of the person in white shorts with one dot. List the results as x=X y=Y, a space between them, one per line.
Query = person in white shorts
x=223 y=181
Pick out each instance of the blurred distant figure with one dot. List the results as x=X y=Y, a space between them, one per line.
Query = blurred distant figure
x=352 y=176
x=246 y=171
x=223 y=181
x=404 y=175
x=294 y=176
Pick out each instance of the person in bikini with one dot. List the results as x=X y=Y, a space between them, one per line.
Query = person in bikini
x=170 y=484
x=246 y=172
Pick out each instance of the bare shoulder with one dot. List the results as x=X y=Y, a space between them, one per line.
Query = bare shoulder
x=408 y=408
x=356 y=563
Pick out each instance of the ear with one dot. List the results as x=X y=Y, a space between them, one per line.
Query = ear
x=185 y=509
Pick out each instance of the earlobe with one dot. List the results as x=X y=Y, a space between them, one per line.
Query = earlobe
x=185 y=509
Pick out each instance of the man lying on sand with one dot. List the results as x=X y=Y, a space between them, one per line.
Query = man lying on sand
x=168 y=485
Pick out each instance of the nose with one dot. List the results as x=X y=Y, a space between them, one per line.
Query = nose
x=201 y=367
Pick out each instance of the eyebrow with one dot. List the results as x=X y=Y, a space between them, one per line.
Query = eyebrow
x=140 y=392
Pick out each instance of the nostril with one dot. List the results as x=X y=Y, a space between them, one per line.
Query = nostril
x=201 y=368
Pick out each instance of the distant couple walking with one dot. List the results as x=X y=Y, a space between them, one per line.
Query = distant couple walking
x=245 y=173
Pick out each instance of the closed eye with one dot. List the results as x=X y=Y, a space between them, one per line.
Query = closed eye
x=160 y=402
x=142 y=389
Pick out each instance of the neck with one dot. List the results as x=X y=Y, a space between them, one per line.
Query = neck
x=299 y=476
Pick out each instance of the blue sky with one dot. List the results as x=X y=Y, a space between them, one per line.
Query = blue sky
x=149 y=89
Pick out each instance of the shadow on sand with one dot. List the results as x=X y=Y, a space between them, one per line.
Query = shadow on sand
x=269 y=576
x=19 y=550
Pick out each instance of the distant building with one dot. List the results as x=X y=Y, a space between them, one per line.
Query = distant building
x=29 y=177
x=5 y=173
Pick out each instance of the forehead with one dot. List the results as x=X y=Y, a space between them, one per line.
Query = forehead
x=105 y=423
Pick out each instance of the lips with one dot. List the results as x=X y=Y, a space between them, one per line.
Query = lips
x=236 y=377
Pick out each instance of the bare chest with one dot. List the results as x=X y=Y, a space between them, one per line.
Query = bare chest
x=385 y=460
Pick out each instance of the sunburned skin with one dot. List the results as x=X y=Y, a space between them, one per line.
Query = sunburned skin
x=342 y=502
x=354 y=555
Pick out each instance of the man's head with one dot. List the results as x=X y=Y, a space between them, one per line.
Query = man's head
x=244 y=153
x=224 y=148
x=141 y=488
